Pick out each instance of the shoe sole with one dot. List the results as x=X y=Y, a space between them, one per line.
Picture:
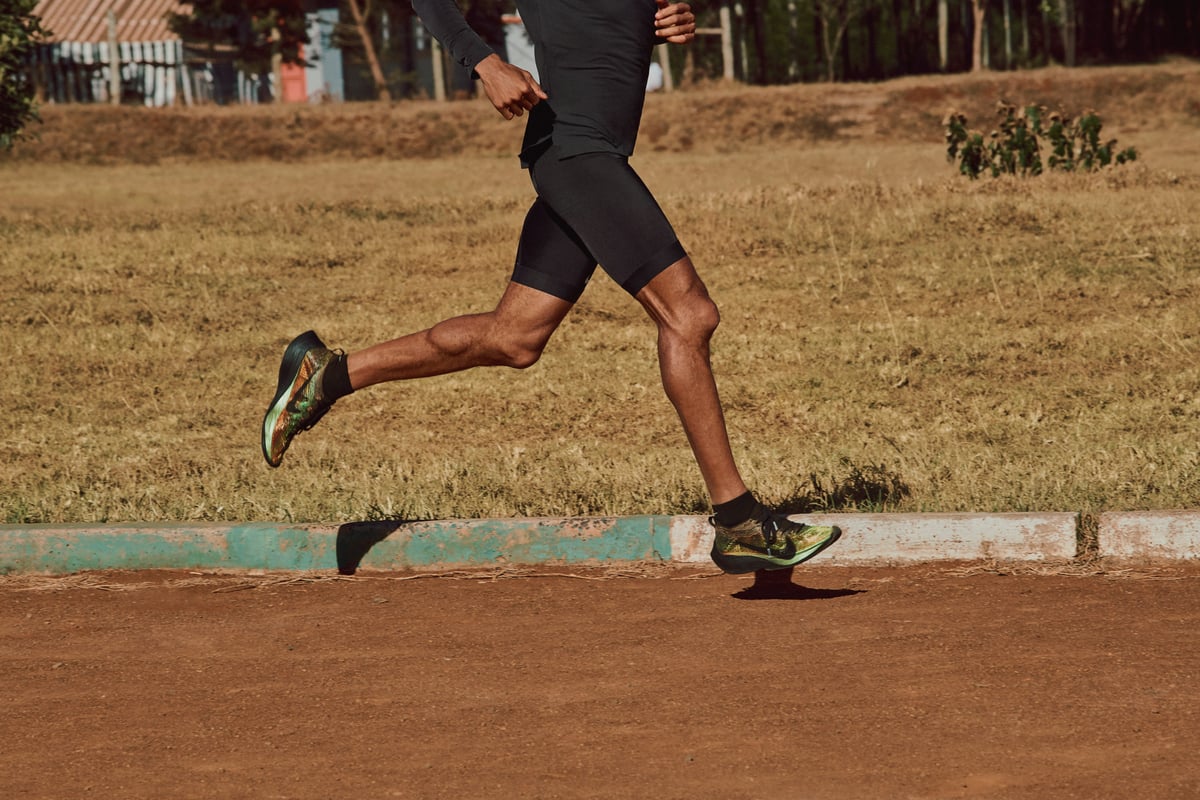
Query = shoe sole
x=289 y=370
x=738 y=565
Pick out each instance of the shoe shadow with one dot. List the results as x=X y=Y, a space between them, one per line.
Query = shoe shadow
x=355 y=540
x=778 y=585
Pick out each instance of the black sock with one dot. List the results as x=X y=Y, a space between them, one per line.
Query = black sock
x=335 y=382
x=736 y=511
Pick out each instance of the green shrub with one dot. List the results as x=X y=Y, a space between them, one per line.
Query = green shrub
x=1015 y=146
x=19 y=32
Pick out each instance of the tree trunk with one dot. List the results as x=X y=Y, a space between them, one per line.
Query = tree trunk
x=1066 y=10
x=793 y=40
x=1025 y=46
x=1008 y=44
x=898 y=41
x=758 y=27
x=979 y=7
x=742 y=43
x=943 y=19
x=830 y=46
x=1046 y=35
x=360 y=24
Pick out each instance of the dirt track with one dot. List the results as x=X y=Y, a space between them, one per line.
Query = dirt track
x=917 y=683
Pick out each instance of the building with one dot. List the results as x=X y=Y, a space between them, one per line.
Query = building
x=75 y=63
x=104 y=51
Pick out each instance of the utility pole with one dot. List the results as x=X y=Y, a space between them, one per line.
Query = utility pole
x=114 y=62
x=726 y=43
x=664 y=60
x=439 y=73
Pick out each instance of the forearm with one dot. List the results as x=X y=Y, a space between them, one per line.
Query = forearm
x=445 y=21
x=513 y=91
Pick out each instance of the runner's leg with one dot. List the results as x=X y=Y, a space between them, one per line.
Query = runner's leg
x=678 y=302
x=604 y=203
x=512 y=335
x=552 y=268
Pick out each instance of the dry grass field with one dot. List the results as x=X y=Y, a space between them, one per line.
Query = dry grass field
x=894 y=337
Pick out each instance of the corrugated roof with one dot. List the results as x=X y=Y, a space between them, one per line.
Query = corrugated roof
x=87 y=20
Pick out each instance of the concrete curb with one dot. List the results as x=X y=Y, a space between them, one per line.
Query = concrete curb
x=450 y=544
x=903 y=538
x=1149 y=534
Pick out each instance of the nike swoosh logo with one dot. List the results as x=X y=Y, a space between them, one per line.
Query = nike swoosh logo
x=788 y=552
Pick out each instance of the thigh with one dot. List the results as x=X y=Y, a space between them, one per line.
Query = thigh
x=611 y=212
x=550 y=257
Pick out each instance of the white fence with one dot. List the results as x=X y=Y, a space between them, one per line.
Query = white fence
x=151 y=73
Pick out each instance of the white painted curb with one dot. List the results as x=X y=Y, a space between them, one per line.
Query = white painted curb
x=897 y=538
x=1149 y=534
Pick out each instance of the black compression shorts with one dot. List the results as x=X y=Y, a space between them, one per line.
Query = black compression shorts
x=591 y=209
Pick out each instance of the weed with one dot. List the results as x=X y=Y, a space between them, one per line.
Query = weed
x=1015 y=146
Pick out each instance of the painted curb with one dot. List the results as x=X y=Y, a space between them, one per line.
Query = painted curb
x=901 y=538
x=449 y=544
x=438 y=545
x=1149 y=534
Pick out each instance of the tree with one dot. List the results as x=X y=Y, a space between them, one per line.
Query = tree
x=943 y=22
x=757 y=14
x=251 y=32
x=1125 y=16
x=1008 y=41
x=836 y=16
x=360 y=15
x=19 y=33
x=1066 y=13
x=979 y=7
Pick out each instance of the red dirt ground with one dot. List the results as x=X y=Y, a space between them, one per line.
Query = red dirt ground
x=929 y=682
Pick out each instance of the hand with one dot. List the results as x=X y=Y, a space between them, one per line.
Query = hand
x=675 y=22
x=512 y=90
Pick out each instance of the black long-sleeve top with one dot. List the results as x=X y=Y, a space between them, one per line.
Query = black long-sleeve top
x=593 y=57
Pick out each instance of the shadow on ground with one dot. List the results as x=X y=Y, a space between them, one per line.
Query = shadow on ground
x=355 y=540
x=778 y=585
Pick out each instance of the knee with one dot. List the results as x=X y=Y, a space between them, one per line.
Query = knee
x=707 y=316
x=521 y=357
x=695 y=320
x=517 y=350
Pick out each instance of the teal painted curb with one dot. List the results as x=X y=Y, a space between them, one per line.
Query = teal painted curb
x=61 y=549
x=450 y=544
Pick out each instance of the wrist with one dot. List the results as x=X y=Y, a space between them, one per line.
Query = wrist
x=488 y=65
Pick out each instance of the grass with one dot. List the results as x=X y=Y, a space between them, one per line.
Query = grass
x=893 y=338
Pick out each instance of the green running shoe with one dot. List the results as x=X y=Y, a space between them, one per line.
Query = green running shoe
x=299 y=402
x=772 y=542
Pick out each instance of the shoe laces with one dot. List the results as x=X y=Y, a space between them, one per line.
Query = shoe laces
x=770 y=530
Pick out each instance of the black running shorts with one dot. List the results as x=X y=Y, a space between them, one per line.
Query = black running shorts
x=591 y=209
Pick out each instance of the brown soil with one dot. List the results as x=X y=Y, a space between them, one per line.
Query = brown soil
x=708 y=118
x=927 y=682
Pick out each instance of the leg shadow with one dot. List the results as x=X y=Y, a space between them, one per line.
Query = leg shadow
x=355 y=540
x=777 y=584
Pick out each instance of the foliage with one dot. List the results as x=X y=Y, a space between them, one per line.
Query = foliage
x=1015 y=146
x=251 y=32
x=19 y=32
x=872 y=39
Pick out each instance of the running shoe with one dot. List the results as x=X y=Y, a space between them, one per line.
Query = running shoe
x=299 y=402
x=770 y=542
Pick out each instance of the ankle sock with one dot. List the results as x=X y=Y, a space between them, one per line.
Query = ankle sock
x=736 y=511
x=335 y=381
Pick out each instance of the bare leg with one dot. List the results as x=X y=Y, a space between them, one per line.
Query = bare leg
x=678 y=302
x=512 y=335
